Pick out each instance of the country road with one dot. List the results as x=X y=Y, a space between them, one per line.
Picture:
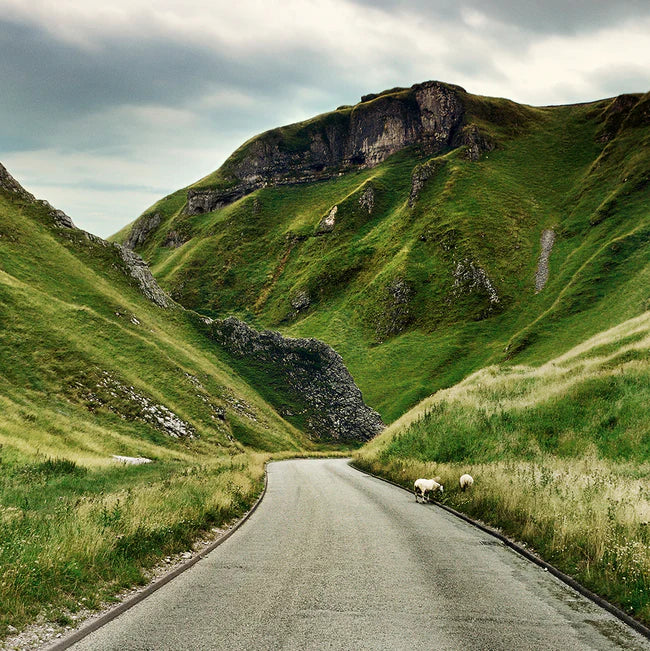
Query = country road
x=334 y=559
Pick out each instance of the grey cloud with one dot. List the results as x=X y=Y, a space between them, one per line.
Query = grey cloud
x=537 y=16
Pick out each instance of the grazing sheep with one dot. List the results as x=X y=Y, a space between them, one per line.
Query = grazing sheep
x=423 y=486
x=465 y=482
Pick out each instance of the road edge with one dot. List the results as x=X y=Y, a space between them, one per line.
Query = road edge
x=565 y=578
x=112 y=614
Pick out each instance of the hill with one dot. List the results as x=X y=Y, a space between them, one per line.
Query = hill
x=424 y=233
x=128 y=427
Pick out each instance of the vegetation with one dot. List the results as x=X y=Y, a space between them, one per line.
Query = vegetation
x=89 y=368
x=575 y=169
x=560 y=454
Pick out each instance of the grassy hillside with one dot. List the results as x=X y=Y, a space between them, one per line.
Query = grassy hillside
x=89 y=368
x=560 y=454
x=433 y=277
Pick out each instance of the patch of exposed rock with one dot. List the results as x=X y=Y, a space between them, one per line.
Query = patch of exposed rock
x=127 y=403
x=139 y=270
x=9 y=184
x=546 y=246
x=476 y=142
x=141 y=229
x=174 y=239
x=420 y=175
x=470 y=277
x=367 y=199
x=429 y=115
x=326 y=224
x=301 y=301
x=319 y=391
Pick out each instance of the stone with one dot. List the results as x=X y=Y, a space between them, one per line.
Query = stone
x=546 y=246
x=367 y=199
x=326 y=224
x=430 y=115
x=301 y=301
x=138 y=269
x=141 y=229
x=323 y=393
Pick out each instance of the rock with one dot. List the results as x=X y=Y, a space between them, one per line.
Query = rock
x=429 y=115
x=326 y=224
x=138 y=269
x=9 y=184
x=131 y=461
x=420 y=175
x=469 y=278
x=141 y=229
x=174 y=239
x=12 y=630
x=301 y=301
x=476 y=142
x=367 y=199
x=546 y=245
x=321 y=391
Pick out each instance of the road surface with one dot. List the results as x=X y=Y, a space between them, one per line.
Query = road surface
x=334 y=559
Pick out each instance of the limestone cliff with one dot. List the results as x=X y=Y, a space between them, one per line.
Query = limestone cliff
x=309 y=378
x=429 y=115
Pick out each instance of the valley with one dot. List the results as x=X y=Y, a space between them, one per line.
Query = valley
x=471 y=272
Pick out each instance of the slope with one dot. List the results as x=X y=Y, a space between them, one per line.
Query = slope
x=91 y=368
x=560 y=454
x=414 y=248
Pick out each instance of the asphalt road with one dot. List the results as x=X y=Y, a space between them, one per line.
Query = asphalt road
x=334 y=559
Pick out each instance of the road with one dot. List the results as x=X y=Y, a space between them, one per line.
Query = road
x=335 y=559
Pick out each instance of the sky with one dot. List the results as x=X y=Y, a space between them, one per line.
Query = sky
x=105 y=107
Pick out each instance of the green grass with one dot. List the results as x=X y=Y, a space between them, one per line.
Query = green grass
x=549 y=170
x=560 y=454
x=83 y=355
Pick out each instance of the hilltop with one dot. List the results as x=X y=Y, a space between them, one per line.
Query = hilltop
x=424 y=233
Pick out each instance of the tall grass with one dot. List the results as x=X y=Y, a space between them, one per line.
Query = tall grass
x=560 y=454
x=71 y=537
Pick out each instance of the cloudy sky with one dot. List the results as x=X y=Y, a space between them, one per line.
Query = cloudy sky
x=107 y=106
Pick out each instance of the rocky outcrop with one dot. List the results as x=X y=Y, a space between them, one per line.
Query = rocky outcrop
x=141 y=230
x=429 y=115
x=420 y=175
x=546 y=245
x=139 y=270
x=476 y=143
x=470 y=278
x=318 y=393
x=367 y=199
x=9 y=184
x=396 y=314
x=326 y=224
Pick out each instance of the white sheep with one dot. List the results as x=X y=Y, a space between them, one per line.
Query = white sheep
x=465 y=482
x=423 y=486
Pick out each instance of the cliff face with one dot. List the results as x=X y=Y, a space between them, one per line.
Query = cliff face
x=429 y=114
x=308 y=376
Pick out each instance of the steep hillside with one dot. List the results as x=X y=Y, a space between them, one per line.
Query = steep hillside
x=560 y=454
x=129 y=426
x=423 y=233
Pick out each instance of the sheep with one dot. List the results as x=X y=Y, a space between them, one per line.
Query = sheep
x=466 y=481
x=423 y=486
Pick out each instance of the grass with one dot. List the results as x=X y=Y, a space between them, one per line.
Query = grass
x=73 y=536
x=550 y=169
x=560 y=454
x=84 y=357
